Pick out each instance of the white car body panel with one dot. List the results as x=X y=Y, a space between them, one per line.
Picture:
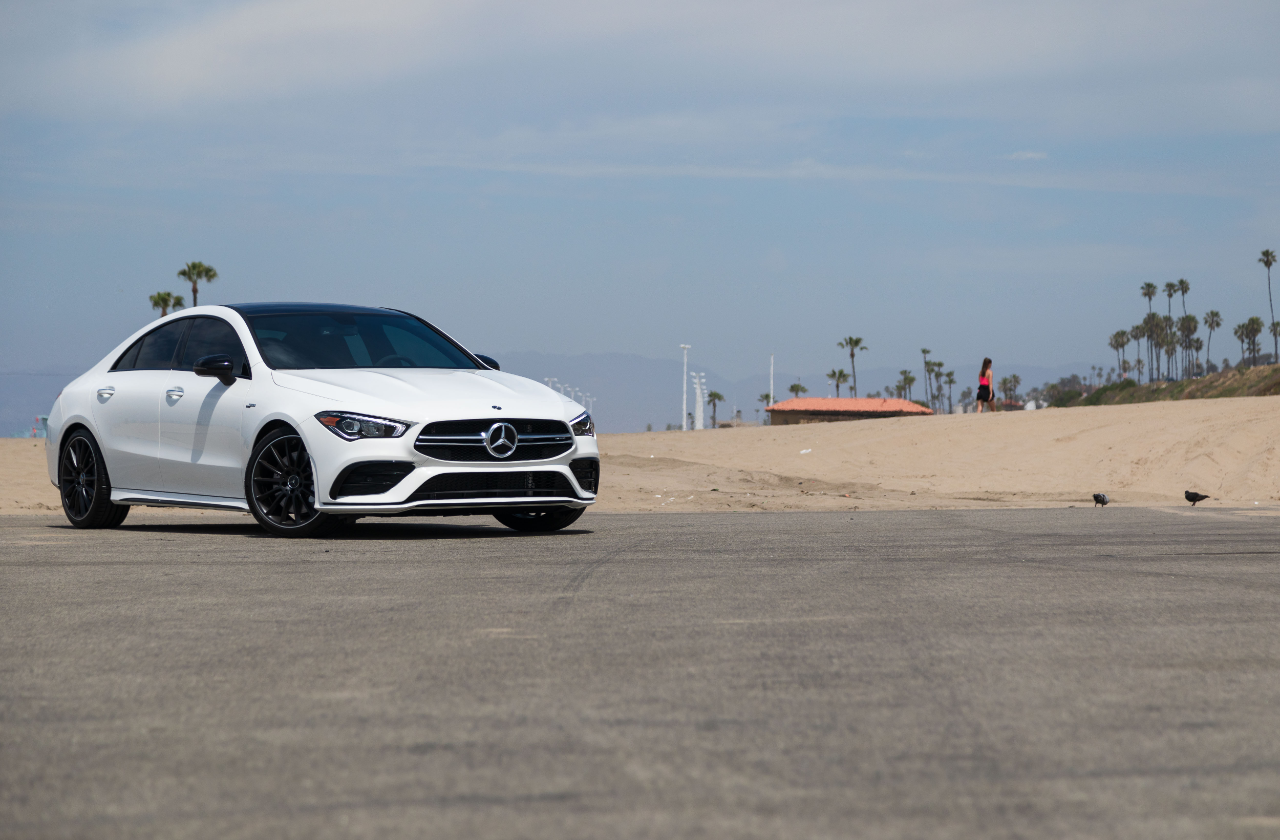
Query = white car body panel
x=202 y=448
x=170 y=437
x=126 y=408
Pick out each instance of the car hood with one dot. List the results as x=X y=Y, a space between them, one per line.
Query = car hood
x=427 y=394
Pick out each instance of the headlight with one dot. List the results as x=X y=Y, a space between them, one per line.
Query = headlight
x=355 y=426
x=582 y=425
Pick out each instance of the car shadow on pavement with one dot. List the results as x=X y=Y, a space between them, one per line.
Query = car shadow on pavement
x=390 y=529
x=359 y=531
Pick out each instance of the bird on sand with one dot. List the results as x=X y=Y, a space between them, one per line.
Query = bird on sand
x=1100 y=499
x=1193 y=497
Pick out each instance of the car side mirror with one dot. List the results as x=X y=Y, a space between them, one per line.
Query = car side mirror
x=219 y=365
x=488 y=361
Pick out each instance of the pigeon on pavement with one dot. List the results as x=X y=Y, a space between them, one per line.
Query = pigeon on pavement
x=1193 y=497
x=1100 y=499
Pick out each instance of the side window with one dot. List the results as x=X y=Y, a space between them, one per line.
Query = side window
x=129 y=359
x=158 y=346
x=212 y=337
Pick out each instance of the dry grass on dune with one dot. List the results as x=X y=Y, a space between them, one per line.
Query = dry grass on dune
x=1142 y=454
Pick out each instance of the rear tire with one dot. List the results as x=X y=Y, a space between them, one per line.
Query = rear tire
x=540 y=520
x=84 y=484
x=280 y=487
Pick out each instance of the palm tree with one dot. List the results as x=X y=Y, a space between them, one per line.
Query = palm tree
x=1137 y=333
x=1138 y=365
x=164 y=301
x=839 y=377
x=1183 y=288
x=1154 y=343
x=853 y=345
x=924 y=352
x=937 y=384
x=1170 y=289
x=797 y=389
x=1268 y=259
x=765 y=398
x=1118 y=341
x=1197 y=345
x=904 y=385
x=193 y=274
x=1212 y=320
x=1252 y=330
x=950 y=380
x=1188 y=326
x=713 y=398
x=1149 y=291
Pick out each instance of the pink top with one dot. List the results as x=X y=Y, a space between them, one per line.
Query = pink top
x=985 y=380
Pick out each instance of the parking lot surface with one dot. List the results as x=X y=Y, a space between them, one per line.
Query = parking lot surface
x=1022 y=673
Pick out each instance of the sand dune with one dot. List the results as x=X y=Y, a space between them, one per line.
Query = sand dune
x=1145 y=454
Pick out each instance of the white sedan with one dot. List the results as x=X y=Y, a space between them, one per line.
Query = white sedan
x=311 y=415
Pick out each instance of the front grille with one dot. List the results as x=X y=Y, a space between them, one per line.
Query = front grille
x=493 y=485
x=463 y=440
x=587 y=471
x=370 y=478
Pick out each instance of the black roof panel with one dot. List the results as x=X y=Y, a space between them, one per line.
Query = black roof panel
x=249 y=309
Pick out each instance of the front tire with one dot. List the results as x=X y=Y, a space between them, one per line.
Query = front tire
x=280 y=487
x=540 y=520
x=84 y=485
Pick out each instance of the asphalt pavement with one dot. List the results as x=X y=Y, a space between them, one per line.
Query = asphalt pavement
x=929 y=674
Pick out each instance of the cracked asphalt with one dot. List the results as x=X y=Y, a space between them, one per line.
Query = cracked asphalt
x=918 y=674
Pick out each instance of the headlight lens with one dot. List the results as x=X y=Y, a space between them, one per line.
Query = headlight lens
x=355 y=426
x=583 y=426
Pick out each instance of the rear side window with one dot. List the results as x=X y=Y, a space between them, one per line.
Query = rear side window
x=130 y=357
x=213 y=337
x=155 y=349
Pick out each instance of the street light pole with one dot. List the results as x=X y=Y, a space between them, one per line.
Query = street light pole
x=684 y=390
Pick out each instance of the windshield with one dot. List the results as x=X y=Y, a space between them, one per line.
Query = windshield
x=331 y=341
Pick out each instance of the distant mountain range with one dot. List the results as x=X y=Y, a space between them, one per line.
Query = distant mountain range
x=631 y=392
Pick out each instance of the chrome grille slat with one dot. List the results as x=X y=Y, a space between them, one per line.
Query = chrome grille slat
x=463 y=440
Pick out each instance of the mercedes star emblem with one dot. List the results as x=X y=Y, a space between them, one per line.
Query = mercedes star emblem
x=501 y=440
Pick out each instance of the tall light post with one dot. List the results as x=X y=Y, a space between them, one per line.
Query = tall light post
x=684 y=390
x=699 y=396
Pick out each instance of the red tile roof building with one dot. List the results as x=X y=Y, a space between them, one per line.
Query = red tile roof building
x=832 y=409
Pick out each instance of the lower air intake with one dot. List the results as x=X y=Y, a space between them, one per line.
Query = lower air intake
x=587 y=471
x=494 y=485
x=370 y=478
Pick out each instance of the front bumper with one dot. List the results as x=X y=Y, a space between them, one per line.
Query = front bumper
x=332 y=455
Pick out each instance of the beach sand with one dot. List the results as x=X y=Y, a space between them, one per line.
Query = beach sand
x=1145 y=454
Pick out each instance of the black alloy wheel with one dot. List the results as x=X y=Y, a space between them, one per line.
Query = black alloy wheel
x=84 y=486
x=540 y=520
x=281 y=488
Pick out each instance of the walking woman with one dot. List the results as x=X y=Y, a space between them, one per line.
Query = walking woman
x=984 y=386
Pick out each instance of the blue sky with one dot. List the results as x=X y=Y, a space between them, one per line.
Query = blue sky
x=982 y=178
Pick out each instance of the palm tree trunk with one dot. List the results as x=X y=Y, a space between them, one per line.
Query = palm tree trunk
x=853 y=372
x=1275 y=340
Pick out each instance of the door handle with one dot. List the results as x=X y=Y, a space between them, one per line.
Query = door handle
x=174 y=392
x=106 y=391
